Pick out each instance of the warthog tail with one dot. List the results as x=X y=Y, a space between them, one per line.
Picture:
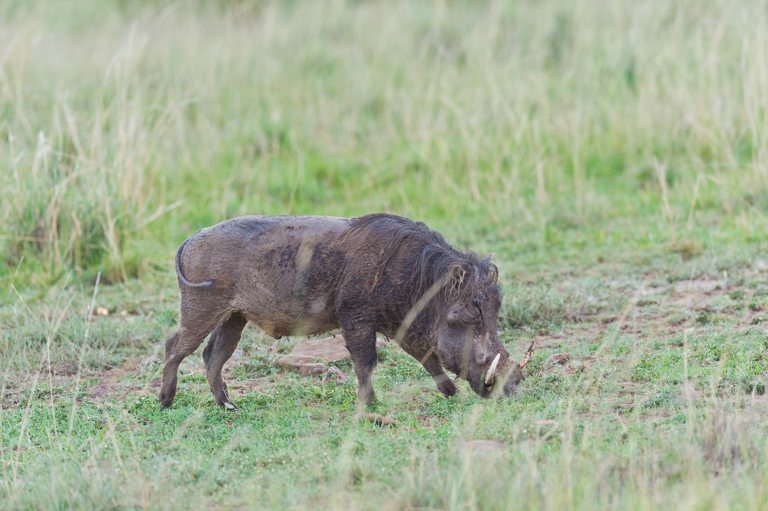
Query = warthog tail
x=208 y=284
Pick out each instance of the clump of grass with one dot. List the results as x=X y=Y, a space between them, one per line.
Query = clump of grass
x=81 y=196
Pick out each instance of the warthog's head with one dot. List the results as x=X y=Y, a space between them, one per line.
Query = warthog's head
x=468 y=339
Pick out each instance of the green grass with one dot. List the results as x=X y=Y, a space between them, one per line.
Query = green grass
x=611 y=155
x=646 y=414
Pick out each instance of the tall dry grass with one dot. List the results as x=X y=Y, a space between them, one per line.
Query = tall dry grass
x=126 y=128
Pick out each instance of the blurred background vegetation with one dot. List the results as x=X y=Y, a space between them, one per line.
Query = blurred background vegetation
x=577 y=131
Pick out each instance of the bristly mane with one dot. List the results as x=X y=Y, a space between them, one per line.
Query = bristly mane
x=436 y=256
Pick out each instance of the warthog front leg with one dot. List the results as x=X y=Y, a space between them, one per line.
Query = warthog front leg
x=361 y=343
x=431 y=363
x=221 y=345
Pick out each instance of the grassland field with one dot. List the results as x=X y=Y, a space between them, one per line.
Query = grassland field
x=613 y=155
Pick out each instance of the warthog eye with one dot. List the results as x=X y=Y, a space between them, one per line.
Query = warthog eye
x=477 y=305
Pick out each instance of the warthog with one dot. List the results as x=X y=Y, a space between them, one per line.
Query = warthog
x=307 y=275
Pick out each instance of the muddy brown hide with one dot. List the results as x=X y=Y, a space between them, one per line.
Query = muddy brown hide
x=307 y=275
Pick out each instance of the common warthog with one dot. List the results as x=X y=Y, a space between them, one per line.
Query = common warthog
x=306 y=275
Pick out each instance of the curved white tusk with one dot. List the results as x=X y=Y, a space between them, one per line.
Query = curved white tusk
x=491 y=374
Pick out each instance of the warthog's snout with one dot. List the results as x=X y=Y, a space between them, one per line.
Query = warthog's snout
x=503 y=381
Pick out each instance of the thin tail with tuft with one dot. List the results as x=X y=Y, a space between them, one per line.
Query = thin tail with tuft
x=208 y=284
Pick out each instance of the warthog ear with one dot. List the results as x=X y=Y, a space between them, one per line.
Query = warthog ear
x=490 y=269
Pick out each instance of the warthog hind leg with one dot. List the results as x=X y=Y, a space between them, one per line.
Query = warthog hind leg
x=183 y=343
x=221 y=345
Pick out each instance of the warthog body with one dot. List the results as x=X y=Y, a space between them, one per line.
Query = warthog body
x=306 y=275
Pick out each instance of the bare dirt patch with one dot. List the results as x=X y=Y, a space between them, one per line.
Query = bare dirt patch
x=668 y=310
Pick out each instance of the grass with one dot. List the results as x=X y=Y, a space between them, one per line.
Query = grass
x=668 y=412
x=613 y=157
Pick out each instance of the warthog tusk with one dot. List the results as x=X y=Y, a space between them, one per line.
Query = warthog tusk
x=527 y=358
x=491 y=374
